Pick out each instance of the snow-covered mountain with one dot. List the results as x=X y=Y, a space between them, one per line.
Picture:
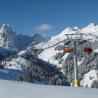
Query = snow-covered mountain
x=51 y=51
x=10 y=40
x=91 y=31
x=8 y=37
x=54 y=54
x=49 y=48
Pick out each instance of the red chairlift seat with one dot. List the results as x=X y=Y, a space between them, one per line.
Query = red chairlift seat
x=88 y=49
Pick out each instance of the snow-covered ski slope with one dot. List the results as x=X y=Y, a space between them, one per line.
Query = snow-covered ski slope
x=11 y=89
x=49 y=52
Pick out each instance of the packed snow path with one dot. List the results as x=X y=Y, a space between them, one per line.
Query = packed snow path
x=11 y=89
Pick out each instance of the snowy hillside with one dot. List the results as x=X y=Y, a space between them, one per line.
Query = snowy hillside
x=16 y=63
x=89 y=78
x=10 y=89
x=54 y=54
x=91 y=28
x=56 y=39
x=91 y=31
x=49 y=47
x=49 y=51
x=47 y=54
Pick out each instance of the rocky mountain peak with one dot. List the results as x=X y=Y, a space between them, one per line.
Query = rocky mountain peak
x=6 y=28
x=92 y=25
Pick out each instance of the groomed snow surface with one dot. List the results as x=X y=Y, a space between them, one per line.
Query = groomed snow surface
x=11 y=89
x=47 y=55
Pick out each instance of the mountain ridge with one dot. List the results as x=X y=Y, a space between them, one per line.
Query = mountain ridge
x=10 y=40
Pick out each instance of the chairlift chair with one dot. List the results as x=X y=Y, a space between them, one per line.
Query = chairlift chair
x=88 y=48
x=67 y=50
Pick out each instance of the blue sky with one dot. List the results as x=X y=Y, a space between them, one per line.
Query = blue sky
x=47 y=16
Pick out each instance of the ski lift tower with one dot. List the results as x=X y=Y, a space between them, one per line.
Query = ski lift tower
x=76 y=38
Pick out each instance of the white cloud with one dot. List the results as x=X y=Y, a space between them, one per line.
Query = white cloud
x=42 y=27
